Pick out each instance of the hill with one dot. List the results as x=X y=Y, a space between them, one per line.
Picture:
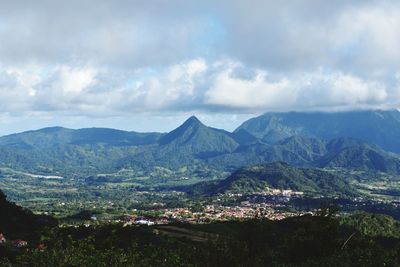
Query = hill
x=17 y=222
x=280 y=175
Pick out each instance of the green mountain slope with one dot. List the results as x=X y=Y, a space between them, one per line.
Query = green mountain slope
x=189 y=145
x=376 y=127
x=313 y=152
x=61 y=151
x=283 y=176
x=48 y=137
x=196 y=138
x=361 y=157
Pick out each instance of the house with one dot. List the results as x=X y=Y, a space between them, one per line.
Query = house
x=19 y=243
x=2 y=238
x=143 y=221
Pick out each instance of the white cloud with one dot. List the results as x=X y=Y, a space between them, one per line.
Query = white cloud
x=256 y=93
x=99 y=58
x=371 y=34
x=17 y=88
x=298 y=91
x=75 y=80
x=171 y=88
x=187 y=86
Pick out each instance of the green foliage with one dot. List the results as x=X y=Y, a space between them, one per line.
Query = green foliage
x=322 y=240
x=110 y=245
x=376 y=225
x=299 y=241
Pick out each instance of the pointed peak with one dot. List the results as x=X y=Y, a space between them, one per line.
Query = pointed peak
x=193 y=117
x=193 y=120
x=191 y=124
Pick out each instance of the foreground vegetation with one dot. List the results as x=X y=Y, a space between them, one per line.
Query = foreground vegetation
x=302 y=241
x=322 y=240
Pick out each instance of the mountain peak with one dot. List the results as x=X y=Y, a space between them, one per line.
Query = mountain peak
x=192 y=120
x=199 y=138
x=191 y=125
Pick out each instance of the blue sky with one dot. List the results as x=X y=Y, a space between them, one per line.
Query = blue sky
x=147 y=65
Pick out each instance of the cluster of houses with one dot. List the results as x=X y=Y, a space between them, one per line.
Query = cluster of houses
x=140 y=220
x=19 y=243
x=210 y=213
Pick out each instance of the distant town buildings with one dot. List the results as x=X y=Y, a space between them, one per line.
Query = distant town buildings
x=19 y=243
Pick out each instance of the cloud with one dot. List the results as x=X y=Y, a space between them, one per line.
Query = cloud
x=104 y=58
x=99 y=91
x=124 y=34
x=17 y=88
x=317 y=90
x=74 y=81
x=193 y=85
x=254 y=93
x=352 y=36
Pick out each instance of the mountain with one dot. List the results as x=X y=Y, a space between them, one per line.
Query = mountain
x=243 y=137
x=194 y=137
x=312 y=152
x=280 y=175
x=377 y=127
x=63 y=151
x=187 y=146
x=361 y=157
x=286 y=137
x=296 y=150
x=48 y=137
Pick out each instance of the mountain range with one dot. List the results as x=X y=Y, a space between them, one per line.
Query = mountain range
x=364 y=140
x=375 y=127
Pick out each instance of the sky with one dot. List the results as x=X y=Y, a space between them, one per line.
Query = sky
x=147 y=65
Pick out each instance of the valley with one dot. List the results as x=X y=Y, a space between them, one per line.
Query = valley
x=59 y=171
x=112 y=195
x=198 y=186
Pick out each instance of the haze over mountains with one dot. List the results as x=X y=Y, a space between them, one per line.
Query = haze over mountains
x=366 y=140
